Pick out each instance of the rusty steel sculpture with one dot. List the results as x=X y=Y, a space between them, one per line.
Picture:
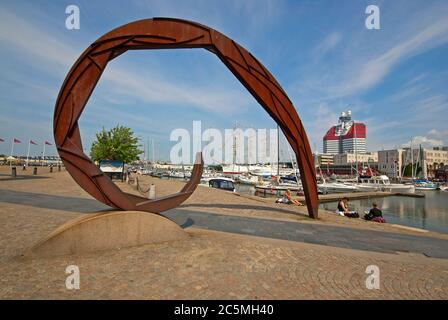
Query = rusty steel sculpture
x=167 y=33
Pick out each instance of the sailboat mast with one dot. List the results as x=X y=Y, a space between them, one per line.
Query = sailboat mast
x=418 y=161
x=234 y=146
x=412 y=161
x=356 y=153
x=278 y=151
x=147 y=151
x=153 y=152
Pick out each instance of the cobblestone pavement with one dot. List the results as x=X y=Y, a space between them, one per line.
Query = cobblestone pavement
x=210 y=265
x=221 y=266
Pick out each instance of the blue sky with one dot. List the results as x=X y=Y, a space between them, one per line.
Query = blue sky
x=394 y=79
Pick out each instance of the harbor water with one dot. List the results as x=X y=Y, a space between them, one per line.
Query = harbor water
x=429 y=213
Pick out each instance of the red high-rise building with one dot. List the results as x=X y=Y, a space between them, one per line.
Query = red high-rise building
x=347 y=136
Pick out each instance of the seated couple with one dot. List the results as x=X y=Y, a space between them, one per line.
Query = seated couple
x=374 y=214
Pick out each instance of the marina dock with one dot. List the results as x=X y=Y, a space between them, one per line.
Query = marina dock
x=361 y=195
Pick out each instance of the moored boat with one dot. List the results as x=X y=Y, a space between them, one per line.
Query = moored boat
x=382 y=183
x=222 y=183
x=176 y=174
x=278 y=190
x=248 y=179
x=336 y=187
x=424 y=184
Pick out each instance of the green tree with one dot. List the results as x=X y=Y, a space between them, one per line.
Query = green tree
x=117 y=143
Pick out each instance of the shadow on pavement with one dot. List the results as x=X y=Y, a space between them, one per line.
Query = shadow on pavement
x=321 y=234
x=56 y=202
x=8 y=177
x=245 y=207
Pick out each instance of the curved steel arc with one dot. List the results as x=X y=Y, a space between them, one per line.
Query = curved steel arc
x=168 y=33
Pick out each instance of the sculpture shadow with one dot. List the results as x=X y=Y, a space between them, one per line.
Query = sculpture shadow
x=245 y=207
x=8 y=177
x=56 y=202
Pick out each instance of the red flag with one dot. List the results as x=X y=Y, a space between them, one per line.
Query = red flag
x=17 y=140
x=32 y=142
x=48 y=143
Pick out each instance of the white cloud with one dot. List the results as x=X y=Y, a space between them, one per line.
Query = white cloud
x=365 y=60
x=150 y=90
x=328 y=43
x=424 y=141
x=31 y=40
x=437 y=133
x=368 y=57
x=42 y=47
x=372 y=71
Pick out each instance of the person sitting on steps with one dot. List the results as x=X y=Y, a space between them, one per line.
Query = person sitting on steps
x=375 y=214
x=343 y=209
x=291 y=200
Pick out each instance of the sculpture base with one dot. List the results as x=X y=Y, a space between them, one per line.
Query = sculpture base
x=105 y=231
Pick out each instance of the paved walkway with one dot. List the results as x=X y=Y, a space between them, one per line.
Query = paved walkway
x=210 y=264
x=342 y=237
x=51 y=201
x=336 y=236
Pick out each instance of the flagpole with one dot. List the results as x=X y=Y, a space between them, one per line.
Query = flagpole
x=12 y=151
x=28 y=154
x=43 y=154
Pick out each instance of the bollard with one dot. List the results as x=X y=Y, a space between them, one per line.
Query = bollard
x=152 y=192
x=24 y=168
x=14 y=172
x=127 y=178
x=59 y=167
x=35 y=171
x=51 y=169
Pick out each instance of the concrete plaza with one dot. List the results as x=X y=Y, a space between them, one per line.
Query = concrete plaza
x=238 y=248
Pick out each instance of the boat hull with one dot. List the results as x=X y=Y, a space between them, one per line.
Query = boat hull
x=388 y=188
x=277 y=191
x=426 y=188
x=337 y=188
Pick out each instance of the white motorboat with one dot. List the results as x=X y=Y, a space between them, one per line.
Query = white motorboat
x=286 y=183
x=176 y=174
x=262 y=172
x=337 y=187
x=278 y=190
x=222 y=183
x=423 y=184
x=382 y=183
x=234 y=169
x=248 y=179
